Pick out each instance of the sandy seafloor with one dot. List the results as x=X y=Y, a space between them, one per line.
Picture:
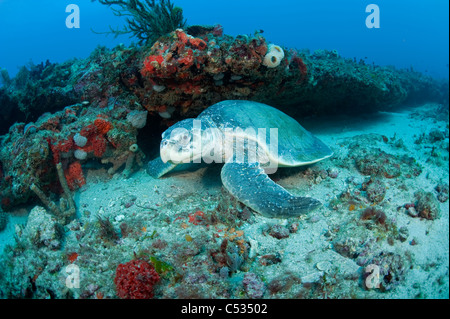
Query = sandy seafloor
x=318 y=255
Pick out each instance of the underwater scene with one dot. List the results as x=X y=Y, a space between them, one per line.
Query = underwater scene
x=175 y=149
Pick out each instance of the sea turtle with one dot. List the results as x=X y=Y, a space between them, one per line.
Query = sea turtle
x=235 y=133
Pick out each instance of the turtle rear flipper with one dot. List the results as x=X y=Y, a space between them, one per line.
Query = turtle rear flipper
x=250 y=185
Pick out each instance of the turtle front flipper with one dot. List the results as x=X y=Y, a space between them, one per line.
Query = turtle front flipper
x=250 y=185
x=157 y=168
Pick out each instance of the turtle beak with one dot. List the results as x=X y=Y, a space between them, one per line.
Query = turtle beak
x=164 y=151
x=168 y=154
x=173 y=153
x=164 y=155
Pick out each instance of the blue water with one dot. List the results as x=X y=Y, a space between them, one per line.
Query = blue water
x=412 y=33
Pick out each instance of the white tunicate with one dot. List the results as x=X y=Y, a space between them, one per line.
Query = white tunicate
x=274 y=56
x=323 y=266
x=137 y=119
x=80 y=140
x=165 y=115
x=271 y=60
x=133 y=148
x=168 y=113
x=158 y=88
x=119 y=218
x=80 y=154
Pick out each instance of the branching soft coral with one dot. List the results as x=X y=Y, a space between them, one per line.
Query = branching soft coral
x=147 y=20
x=133 y=156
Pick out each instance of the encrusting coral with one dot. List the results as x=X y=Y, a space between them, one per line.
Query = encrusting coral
x=133 y=155
x=73 y=137
x=66 y=208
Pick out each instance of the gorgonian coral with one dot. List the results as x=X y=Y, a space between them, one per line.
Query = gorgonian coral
x=146 y=20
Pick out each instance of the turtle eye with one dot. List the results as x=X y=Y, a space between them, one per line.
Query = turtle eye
x=185 y=139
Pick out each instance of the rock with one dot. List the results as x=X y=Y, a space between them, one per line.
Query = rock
x=442 y=190
x=427 y=205
x=279 y=232
x=312 y=278
x=403 y=234
x=412 y=211
x=42 y=229
x=333 y=172
x=253 y=286
x=375 y=190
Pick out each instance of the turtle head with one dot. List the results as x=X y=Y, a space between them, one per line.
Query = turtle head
x=185 y=141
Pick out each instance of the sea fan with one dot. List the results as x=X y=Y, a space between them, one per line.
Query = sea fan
x=147 y=20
